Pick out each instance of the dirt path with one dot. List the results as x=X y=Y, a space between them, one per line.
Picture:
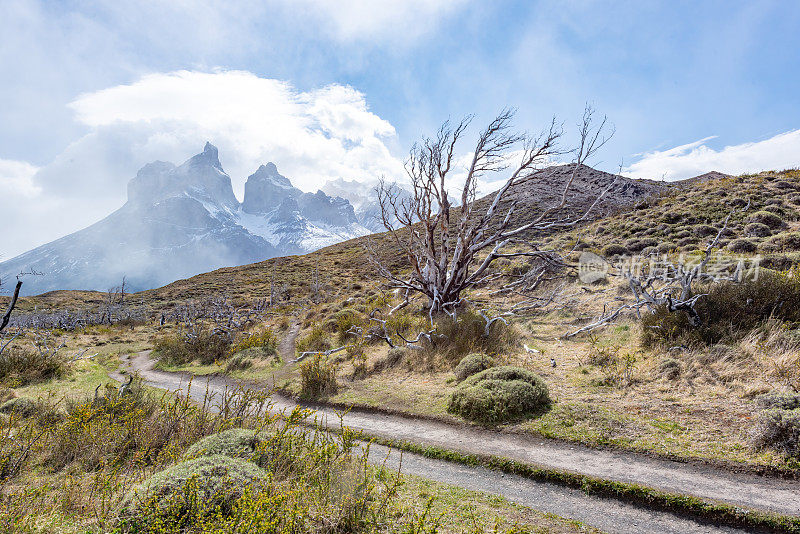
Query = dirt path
x=608 y=515
x=751 y=491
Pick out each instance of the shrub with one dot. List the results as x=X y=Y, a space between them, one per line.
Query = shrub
x=686 y=241
x=614 y=250
x=704 y=230
x=190 y=490
x=767 y=218
x=756 y=229
x=779 y=430
x=742 y=246
x=21 y=366
x=472 y=364
x=204 y=346
x=727 y=311
x=454 y=339
x=670 y=369
x=20 y=406
x=239 y=362
x=344 y=320
x=266 y=340
x=498 y=395
x=664 y=248
x=784 y=241
x=395 y=356
x=315 y=341
x=317 y=377
x=778 y=399
x=234 y=442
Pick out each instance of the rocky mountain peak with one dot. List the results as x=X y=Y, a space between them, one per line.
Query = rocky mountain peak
x=266 y=188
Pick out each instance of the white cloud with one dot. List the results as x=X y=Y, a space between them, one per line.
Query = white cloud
x=16 y=179
x=312 y=136
x=349 y=20
x=779 y=152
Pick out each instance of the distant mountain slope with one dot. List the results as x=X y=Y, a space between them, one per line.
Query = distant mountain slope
x=184 y=220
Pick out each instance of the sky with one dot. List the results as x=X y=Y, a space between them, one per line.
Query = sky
x=326 y=89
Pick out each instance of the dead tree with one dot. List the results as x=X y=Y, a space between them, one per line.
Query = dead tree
x=449 y=250
x=660 y=281
x=11 y=305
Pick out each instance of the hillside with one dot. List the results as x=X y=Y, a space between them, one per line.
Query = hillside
x=183 y=220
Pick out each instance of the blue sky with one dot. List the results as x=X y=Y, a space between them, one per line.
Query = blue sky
x=92 y=90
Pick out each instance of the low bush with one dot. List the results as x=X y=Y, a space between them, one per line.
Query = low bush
x=22 y=366
x=265 y=340
x=757 y=230
x=782 y=242
x=20 y=406
x=778 y=399
x=498 y=395
x=455 y=338
x=317 y=377
x=767 y=218
x=704 y=230
x=779 y=430
x=728 y=311
x=742 y=246
x=472 y=364
x=610 y=251
x=670 y=369
x=191 y=489
x=395 y=356
x=234 y=442
x=239 y=362
x=203 y=345
x=315 y=341
x=345 y=320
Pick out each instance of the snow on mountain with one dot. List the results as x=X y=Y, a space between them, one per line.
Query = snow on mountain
x=184 y=220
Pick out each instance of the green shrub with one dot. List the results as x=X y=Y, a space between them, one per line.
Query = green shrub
x=317 y=377
x=727 y=311
x=344 y=320
x=614 y=250
x=187 y=491
x=235 y=442
x=21 y=366
x=767 y=218
x=757 y=230
x=704 y=230
x=778 y=399
x=664 y=248
x=472 y=364
x=315 y=341
x=265 y=340
x=454 y=339
x=498 y=395
x=784 y=241
x=204 y=345
x=239 y=362
x=742 y=246
x=779 y=430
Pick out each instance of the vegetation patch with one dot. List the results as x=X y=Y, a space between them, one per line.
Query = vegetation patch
x=190 y=490
x=499 y=395
x=317 y=377
x=728 y=311
x=472 y=364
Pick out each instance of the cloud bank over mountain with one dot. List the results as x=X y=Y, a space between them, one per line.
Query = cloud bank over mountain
x=315 y=136
x=776 y=153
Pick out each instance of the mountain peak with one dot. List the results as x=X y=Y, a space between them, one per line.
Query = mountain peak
x=209 y=156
